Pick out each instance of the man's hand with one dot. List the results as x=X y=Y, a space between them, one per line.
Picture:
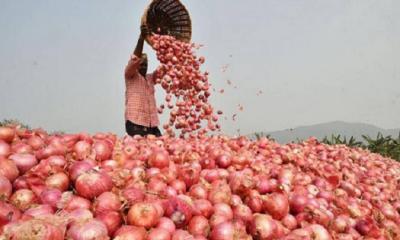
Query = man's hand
x=144 y=31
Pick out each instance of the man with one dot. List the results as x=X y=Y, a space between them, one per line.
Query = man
x=140 y=104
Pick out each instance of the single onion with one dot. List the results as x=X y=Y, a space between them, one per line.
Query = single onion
x=199 y=225
x=243 y=213
x=82 y=150
x=263 y=226
x=24 y=162
x=111 y=219
x=7 y=134
x=159 y=159
x=36 y=142
x=203 y=207
x=57 y=160
x=44 y=229
x=143 y=215
x=23 y=199
x=70 y=202
x=5 y=149
x=159 y=234
x=91 y=184
x=107 y=201
x=58 y=181
x=102 y=150
x=277 y=205
x=79 y=215
x=223 y=231
x=8 y=213
x=78 y=168
x=39 y=211
x=88 y=230
x=5 y=188
x=133 y=195
x=182 y=235
x=130 y=232
x=224 y=210
x=167 y=224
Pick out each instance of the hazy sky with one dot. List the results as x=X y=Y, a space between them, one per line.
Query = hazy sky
x=62 y=62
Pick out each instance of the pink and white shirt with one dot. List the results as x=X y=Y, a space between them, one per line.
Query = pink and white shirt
x=140 y=102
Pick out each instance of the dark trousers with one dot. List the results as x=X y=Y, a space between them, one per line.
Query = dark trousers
x=133 y=129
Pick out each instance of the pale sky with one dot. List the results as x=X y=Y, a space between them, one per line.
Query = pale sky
x=62 y=62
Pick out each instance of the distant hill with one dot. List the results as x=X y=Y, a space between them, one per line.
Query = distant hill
x=327 y=129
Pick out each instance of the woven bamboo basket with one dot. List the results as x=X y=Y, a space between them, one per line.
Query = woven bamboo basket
x=168 y=17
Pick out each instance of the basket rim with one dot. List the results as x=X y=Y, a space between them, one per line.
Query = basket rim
x=144 y=21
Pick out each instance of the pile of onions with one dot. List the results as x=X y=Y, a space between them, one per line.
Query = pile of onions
x=197 y=188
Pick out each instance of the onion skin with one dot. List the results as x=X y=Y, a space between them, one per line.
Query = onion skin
x=107 y=201
x=7 y=134
x=24 y=162
x=91 y=184
x=130 y=232
x=263 y=226
x=166 y=224
x=8 y=213
x=5 y=188
x=111 y=219
x=91 y=229
x=143 y=215
x=58 y=181
x=159 y=234
x=199 y=225
x=277 y=205
x=5 y=149
x=23 y=199
x=34 y=229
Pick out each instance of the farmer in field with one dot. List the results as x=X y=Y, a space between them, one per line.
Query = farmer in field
x=140 y=104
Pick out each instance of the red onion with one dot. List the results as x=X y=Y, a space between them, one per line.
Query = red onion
x=8 y=213
x=223 y=231
x=277 y=205
x=5 y=188
x=24 y=162
x=107 y=201
x=167 y=224
x=182 y=235
x=297 y=203
x=88 y=230
x=159 y=159
x=319 y=232
x=224 y=210
x=133 y=195
x=199 y=225
x=102 y=150
x=203 y=207
x=70 y=202
x=46 y=229
x=82 y=150
x=91 y=184
x=243 y=213
x=39 y=211
x=5 y=149
x=143 y=215
x=36 y=142
x=78 y=168
x=111 y=219
x=159 y=234
x=263 y=226
x=77 y=215
x=23 y=199
x=7 y=134
x=57 y=161
x=179 y=186
x=179 y=211
x=289 y=221
x=199 y=191
x=58 y=181
x=265 y=185
x=130 y=232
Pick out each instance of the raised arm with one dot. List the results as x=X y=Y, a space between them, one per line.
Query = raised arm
x=134 y=61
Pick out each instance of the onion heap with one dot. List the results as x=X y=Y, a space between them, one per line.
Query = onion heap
x=209 y=187
x=180 y=76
